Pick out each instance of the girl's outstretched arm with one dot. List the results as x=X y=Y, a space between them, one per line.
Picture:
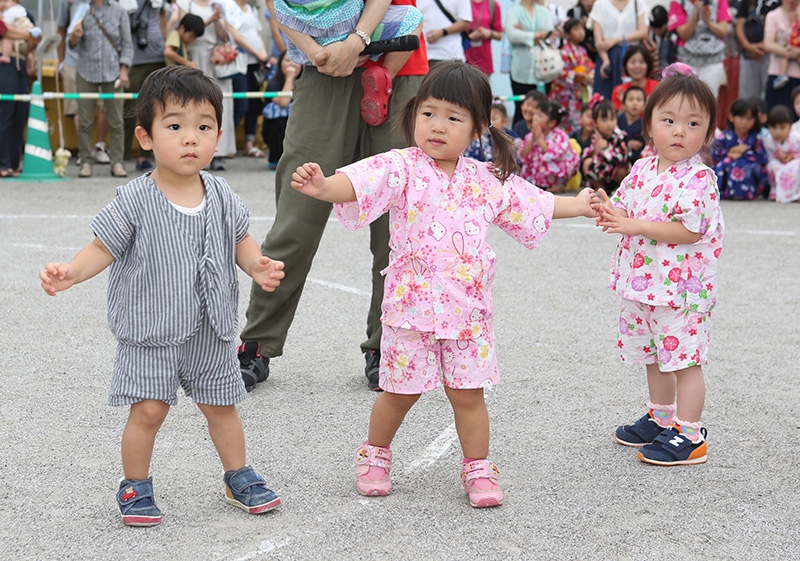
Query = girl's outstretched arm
x=310 y=180
x=570 y=207
x=264 y=271
x=89 y=261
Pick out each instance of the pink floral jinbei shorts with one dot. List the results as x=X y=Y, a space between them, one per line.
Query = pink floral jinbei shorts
x=673 y=338
x=414 y=362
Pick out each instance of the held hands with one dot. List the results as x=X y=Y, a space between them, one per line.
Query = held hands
x=57 y=277
x=267 y=273
x=609 y=218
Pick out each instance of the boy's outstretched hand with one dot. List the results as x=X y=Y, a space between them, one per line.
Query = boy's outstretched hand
x=57 y=277
x=267 y=273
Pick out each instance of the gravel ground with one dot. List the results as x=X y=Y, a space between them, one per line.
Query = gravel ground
x=571 y=492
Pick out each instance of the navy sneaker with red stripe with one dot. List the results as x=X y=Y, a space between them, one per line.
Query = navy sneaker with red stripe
x=136 y=502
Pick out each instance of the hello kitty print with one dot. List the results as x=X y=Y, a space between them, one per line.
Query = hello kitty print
x=441 y=266
x=679 y=276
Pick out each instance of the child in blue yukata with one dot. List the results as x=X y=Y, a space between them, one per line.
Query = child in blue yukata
x=738 y=154
x=173 y=238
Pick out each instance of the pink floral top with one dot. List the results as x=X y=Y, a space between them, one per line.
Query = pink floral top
x=681 y=276
x=554 y=167
x=440 y=265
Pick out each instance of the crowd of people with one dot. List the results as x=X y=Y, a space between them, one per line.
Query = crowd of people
x=614 y=96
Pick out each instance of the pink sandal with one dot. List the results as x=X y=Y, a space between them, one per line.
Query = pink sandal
x=480 y=482
x=372 y=470
x=377 y=84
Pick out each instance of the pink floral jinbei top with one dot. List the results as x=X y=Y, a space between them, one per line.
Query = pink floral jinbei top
x=441 y=266
x=682 y=276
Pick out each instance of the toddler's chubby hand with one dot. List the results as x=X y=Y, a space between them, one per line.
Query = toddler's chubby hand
x=268 y=273
x=57 y=277
x=602 y=206
x=308 y=179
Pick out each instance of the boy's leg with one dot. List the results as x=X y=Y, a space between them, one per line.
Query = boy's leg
x=227 y=434
x=244 y=488
x=144 y=420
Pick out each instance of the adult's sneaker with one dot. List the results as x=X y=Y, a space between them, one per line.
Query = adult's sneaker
x=100 y=153
x=136 y=502
x=644 y=431
x=672 y=448
x=245 y=489
x=255 y=368
x=372 y=369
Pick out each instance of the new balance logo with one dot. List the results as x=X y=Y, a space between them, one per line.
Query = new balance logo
x=676 y=440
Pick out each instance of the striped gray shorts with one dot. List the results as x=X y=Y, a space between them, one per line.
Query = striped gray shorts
x=205 y=366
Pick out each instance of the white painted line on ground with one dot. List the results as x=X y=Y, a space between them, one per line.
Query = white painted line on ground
x=435 y=450
x=337 y=286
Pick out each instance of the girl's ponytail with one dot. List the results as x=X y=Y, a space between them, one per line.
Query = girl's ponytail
x=504 y=154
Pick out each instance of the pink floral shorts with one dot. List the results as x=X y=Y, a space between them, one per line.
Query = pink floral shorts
x=415 y=362
x=673 y=338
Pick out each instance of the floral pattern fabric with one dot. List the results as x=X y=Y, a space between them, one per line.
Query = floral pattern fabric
x=680 y=276
x=784 y=179
x=567 y=90
x=440 y=265
x=606 y=162
x=554 y=167
x=744 y=177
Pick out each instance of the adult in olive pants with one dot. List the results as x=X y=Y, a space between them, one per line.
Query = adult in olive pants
x=324 y=125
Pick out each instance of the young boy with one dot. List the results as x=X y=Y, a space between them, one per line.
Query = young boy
x=178 y=40
x=629 y=120
x=173 y=238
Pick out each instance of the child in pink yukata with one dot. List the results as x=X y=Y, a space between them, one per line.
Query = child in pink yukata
x=437 y=307
x=548 y=159
x=783 y=150
x=665 y=267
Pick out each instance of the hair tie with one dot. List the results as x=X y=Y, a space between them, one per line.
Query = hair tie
x=491 y=126
x=678 y=69
x=595 y=99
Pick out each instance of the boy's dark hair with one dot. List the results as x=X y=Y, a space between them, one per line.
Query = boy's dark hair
x=658 y=16
x=691 y=89
x=570 y=23
x=602 y=109
x=633 y=89
x=646 y=55
x=779 y=115
x=536 y=96
x=463 y=85
x=178 y=84
x=553 y=110
x=741 y=108
x=194 y=24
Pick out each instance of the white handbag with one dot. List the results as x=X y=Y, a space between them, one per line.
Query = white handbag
x=547 y=62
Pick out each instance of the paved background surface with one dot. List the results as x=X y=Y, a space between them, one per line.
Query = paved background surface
x=571 y=492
